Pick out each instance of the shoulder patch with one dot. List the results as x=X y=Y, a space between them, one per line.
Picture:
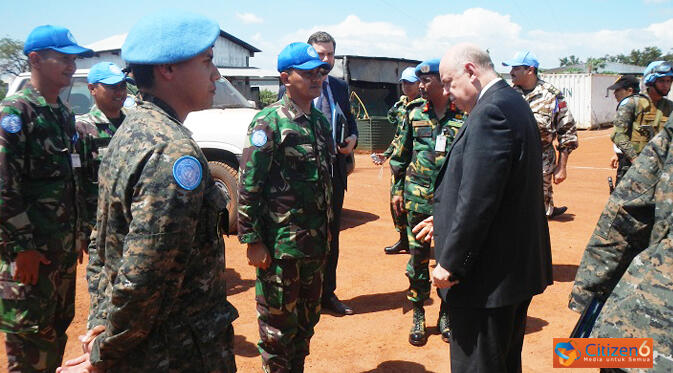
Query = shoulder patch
x=258 y=138
x=129 y=102
x=187 y=172
x=11 y=123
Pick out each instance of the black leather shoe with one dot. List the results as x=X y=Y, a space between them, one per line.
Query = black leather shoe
x=333 y=304
x=398 y=247
x=558 y=211
x=418 y=335
x=443 y=326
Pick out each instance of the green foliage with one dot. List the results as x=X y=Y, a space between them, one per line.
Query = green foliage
x=635 y=57
x=12 y=60
x=267 y=97
x=3 y=90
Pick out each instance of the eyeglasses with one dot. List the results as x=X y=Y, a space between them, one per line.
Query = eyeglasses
x=664 y=68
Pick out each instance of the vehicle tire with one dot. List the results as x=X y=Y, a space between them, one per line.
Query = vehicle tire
x=226 y=179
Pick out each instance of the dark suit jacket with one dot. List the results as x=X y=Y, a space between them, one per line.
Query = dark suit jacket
x=490 y=228
x=341 y=95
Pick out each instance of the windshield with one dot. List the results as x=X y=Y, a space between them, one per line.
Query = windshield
x=226 y=96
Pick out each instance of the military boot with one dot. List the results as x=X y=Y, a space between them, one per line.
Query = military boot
x=402 y=245
x=418 y=335
x=297 y=365
x=443 y=326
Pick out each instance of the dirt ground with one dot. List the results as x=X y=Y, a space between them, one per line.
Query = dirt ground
x=374 y=284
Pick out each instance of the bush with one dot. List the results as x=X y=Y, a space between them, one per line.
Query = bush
x=267 y=97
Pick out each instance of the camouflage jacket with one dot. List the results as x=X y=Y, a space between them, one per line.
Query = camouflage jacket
x=159 y=267
x=38 y=200
x=417 y=161
x=285 y=192
x=92 y=125
x=637 y=121
x=629 y=258
x=553 y=120
x=396 y=116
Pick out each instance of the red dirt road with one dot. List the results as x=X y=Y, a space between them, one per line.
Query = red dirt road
x=374 y=284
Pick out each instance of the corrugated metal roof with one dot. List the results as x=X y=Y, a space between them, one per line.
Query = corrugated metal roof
x=115 y=42
x=612 y=67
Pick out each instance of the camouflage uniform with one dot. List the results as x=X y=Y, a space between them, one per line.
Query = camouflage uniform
x=90 y=126
x=161 y=293
x=629 y=258
x=37 y=212
x=396 y=116
x=285 y=202
x=415 y=165
x=637 y=121
x=555 y=122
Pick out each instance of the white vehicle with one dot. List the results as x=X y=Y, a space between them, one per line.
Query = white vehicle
x=220 y=131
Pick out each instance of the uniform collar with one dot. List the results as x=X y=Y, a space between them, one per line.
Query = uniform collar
x=32 y=95
x=294 y=110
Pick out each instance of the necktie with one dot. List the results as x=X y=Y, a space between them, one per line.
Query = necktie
x=324 y=102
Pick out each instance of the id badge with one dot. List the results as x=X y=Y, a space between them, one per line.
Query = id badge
x=76 y=161
x=440 y=143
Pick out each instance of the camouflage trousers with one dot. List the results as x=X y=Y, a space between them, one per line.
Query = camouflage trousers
x=400 y=221
x=288 y=297
x=418 y=265
x=623 y=166
x=548 y=193
x=47 y=308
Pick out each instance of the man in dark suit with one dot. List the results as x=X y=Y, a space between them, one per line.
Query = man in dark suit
x=335 y=104
x=490 y=230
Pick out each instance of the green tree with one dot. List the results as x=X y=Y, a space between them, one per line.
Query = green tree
x=570 y=60
x=267 y=97
x=12 y=60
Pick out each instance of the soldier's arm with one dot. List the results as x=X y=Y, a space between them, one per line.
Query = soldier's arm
x=566 y=129
x=392 y=118
x=624 y=227
x=254 y=169
x=622 y=127
x=16 y=230
x=96 y=283
x=165 y=207
x=401 y=157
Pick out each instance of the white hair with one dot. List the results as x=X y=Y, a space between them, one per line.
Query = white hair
x=462 y=53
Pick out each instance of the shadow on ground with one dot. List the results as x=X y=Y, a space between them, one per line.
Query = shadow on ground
x=354 y=218
x=564 y=218
x=244 y=348
x=398 y=366
x=381 y=302
x=564 y=272
x=235 y=283
x=534 y=324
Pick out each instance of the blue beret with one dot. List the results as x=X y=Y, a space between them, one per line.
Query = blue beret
x=169 y=37
x=428 y=67
x=300 y=56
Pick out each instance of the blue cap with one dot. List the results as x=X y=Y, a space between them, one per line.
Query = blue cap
x=523 y=58
x=656 y=70
x=169 y=37
x=56 y=38
x=300 y=56
x=427 y=67
x=106 y=73
x=409 y=75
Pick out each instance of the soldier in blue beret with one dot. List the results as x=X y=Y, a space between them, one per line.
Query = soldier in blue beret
x=156 y=273
x=40 y=239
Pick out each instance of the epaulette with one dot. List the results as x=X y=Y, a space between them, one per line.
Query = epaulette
x=416 y=103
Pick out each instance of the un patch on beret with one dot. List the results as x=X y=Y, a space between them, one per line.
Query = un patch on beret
x=169 y=37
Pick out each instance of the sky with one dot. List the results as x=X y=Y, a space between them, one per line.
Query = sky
x=386 y=28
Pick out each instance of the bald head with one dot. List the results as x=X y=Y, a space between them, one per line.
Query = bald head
x=464 y=70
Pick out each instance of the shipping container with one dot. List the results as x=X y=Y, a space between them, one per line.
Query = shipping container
x=589 y=101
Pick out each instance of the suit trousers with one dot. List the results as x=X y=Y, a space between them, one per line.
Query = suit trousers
x=487 y=340
x=329 y=284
